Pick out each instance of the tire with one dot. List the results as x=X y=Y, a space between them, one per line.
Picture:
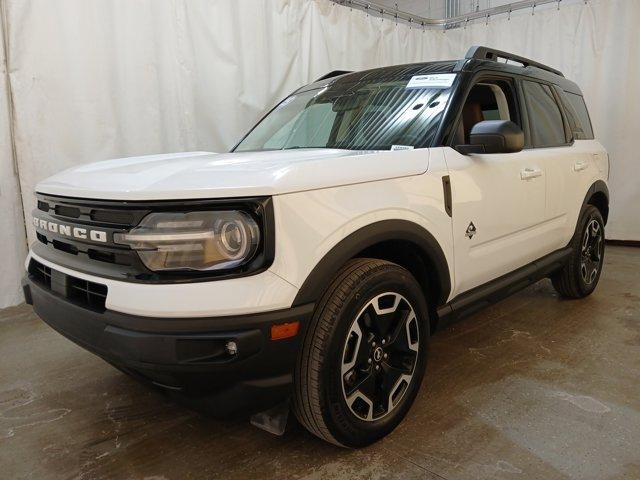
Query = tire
x=581 y=274
x=347 y=390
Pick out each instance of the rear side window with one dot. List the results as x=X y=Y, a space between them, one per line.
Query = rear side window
x=578 y=116
x=545 y=119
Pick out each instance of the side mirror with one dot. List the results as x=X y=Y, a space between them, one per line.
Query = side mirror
x=494 y=136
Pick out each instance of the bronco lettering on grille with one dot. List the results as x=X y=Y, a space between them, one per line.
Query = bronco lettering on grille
x=70 y=231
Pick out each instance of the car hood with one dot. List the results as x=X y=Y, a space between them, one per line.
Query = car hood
x=209 y=175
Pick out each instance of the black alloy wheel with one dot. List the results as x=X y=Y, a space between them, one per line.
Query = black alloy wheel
x=581 y=273
x=364 y=354
x=380 y=354
x=592 y=252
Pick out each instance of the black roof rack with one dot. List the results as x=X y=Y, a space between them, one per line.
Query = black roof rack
x=335 y=73
x=486 y=53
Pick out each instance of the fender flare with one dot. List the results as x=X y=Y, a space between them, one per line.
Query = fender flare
x=599 y=186
x=323 y=273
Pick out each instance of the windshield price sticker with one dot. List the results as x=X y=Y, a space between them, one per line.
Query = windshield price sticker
x=439 y=80
x=401 y=147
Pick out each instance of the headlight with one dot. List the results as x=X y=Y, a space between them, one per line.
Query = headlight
x=202 y=241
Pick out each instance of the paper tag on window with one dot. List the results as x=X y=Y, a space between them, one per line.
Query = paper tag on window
x=401 y=147
x=437 y=80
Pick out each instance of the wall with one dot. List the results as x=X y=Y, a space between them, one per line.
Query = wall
x=109 y=78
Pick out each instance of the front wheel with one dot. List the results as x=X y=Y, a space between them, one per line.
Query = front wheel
x=364 y=354
x=580 y=275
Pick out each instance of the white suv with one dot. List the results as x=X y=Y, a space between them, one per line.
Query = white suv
x=313 y=262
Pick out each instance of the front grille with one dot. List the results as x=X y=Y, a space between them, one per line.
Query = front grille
x=102 y=258
x=57 y=219
x=81 y=292
x=106 y=213
x=109 y=255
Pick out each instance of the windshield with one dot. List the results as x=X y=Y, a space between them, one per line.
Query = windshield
x=354 y=116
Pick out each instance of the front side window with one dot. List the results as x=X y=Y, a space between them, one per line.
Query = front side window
x=487 y=100
x=545 y=119
x=353 y=116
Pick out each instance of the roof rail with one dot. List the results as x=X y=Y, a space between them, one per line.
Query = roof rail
x=486 y=53
x=335 y=73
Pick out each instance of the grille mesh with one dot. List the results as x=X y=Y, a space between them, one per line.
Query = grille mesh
x=81 y=292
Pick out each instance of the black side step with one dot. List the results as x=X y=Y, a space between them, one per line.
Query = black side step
x=484 y=295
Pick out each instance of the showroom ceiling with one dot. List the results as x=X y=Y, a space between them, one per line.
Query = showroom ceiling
x=450 y=13
x=438 y=8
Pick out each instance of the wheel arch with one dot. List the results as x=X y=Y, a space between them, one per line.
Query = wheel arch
x=399 y=241
x=598 y=196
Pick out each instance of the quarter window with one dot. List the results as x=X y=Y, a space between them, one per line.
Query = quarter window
x=578 y=116
x=545 y=119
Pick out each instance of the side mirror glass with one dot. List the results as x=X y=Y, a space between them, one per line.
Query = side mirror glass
x=494 y=136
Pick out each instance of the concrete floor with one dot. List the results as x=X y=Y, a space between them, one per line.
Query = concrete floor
x=533 y=387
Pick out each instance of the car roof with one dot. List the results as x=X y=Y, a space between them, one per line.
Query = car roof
x=477 y=59
x=384 y=74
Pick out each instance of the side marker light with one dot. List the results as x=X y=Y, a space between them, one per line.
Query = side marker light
x=284 y=330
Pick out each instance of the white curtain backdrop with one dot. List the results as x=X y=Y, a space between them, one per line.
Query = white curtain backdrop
x=110 y=78
x=12 y=236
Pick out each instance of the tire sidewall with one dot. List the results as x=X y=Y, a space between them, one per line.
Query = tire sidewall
x=347 y=428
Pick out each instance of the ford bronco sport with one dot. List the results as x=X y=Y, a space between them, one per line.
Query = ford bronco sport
x=309 y=266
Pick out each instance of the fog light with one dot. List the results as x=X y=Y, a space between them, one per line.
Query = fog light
x=232 y=347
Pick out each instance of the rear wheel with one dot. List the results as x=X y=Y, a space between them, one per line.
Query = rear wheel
x=364 y=354
x=581 y=274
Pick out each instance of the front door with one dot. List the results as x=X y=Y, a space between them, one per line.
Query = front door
x=498 y=199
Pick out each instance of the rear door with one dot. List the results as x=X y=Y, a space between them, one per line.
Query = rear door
x=587 y=162
x=498 y=199
x=570 y=165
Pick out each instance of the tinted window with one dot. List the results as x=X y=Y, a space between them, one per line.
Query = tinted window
x=578 y=116
x=545 y=119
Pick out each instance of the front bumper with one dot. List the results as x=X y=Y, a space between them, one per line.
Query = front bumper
x=185 y=354
x=230 y=297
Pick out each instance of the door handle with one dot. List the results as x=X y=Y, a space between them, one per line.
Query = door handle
x=529 y=173
x=580 y=165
